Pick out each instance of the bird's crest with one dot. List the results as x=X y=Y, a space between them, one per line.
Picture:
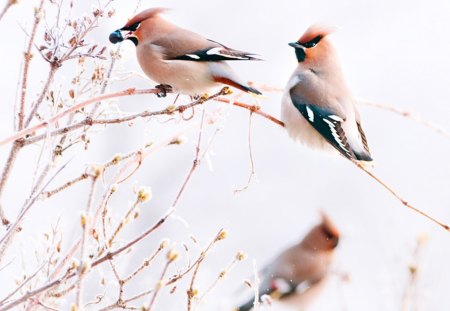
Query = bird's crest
x=314 y=32
x=146 y=14
x=328 y=225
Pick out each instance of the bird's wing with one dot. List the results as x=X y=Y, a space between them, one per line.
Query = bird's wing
x=326 y=120
x=187 y=45
x=363 y=137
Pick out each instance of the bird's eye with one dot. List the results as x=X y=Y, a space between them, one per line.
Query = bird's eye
x=312 y=43
x=328 y=235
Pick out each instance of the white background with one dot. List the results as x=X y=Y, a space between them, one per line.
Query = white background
x=392 y=52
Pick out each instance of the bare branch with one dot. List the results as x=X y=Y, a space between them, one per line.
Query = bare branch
x=8 y=4
x=27 y=59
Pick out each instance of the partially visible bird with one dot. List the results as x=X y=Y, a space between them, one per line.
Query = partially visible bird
x=318 y=108
x=296 y=276
x=178 y=58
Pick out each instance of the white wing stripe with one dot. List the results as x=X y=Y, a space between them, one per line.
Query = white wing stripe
x=335 y=134
x=310 y=114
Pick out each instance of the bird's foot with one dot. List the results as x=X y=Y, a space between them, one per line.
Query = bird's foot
x=163 y=90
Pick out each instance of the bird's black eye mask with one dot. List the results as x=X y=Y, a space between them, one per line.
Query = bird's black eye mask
x=133 y=27
x=312 y=43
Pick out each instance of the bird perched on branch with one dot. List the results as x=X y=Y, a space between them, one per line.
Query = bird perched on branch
x=298 y=273
x=178 y=58
x=318 y=108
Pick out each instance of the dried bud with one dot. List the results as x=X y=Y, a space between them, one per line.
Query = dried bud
x=172 y=255
x=58 y=246
x=241 y=256
x=85 y=267
x=114 y=188
x=84 y=220
x=163 y=244
x=72 y=93
x=192 y=293
x=116 y=159
x=96 y=170
x=75 y=264
x=223 y=234
x=97 y=12
x=178 y=140
x=412 y=269
x=222 y=274
x=144 y=194
x=171 y=108
x=73 y=41
x=74 y=307
x=226 y=91
x=95 y=234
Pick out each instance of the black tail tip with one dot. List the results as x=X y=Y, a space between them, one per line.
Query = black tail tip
x=253 y=90
x=365 y=157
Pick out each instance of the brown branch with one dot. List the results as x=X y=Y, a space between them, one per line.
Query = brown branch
x=220 y=236
x=48 y=82
x=48 y=194
x=171 y=257
x=253 y=108
x=17 y=145
x=192 y=292
x=399 y=197
x=27 y=59
x=55 y=118
x=8 y=4
x=86 y=223
x=129 y=92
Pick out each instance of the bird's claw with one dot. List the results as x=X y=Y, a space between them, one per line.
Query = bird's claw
x=163 y=90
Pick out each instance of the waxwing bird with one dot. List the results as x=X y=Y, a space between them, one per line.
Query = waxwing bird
x=296 y=276
x=178 y=58
x=318 y=109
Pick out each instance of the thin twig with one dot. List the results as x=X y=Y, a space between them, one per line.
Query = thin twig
x=191 y=292
x=7 y=238
x=25 y=282
x=27 y=59
x=128 y=92
x=86 y=224
x=159 y=285
x=221 y=276
x=253 y=108
x=66 y=185
x=195 y=163
x=250 y=153
x=17 y=145
x=51 y=74
x=8 y=4
x=55 y=118
x=409 y=115
x=399 y=197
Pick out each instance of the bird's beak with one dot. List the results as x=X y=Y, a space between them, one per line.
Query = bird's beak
x=296 y=45
x=116 y=37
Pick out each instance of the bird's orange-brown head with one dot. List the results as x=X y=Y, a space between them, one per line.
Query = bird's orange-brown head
x=313 y=44
x=137 y=27
x=323 y=237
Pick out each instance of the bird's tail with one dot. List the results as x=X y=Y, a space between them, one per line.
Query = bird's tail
x=237 y=85
x=246 y=306
x=363 y=156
